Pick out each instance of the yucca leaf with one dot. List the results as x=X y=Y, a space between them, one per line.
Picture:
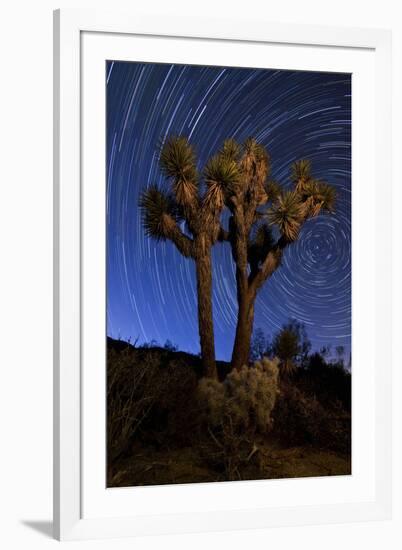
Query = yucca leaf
x=221 y=169
x=300 y=173
x=221 y=175
x=157 y=208
x=272 y=189
x=231 y=149
x=320 y=196
x=254 y=168
x=328 y=196
x=178 y=159
x=287 y=213
x=177 y=162
x=255 y=151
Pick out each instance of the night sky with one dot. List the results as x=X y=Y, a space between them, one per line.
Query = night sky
x=151 y=292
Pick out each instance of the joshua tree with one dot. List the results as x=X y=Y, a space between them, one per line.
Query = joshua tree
x=257 y=204
x=236 y=177
x=199 y=206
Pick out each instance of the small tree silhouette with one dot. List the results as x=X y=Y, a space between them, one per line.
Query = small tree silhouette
x=286 y=346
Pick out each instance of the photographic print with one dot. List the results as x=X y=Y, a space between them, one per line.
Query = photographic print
x=228 y=230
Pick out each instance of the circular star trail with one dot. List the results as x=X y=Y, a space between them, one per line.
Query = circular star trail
x=151 y=292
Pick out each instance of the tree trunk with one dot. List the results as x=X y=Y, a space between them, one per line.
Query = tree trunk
x=244 y=329
x=205 y=319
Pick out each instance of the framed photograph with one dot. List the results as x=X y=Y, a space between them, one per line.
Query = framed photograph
x=222 y=274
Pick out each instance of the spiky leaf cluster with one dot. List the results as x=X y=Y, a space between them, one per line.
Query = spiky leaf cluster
x=221 y=174
x=323 y=194
x=300 y=173
x=158 y=211
x=177 y=162
x=255 y=150
x=318 y=196
x=287 y=214
x=231 y=149
x=272 y=189
x=255 y=162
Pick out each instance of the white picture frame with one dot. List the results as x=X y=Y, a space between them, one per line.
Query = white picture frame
x=83 y=507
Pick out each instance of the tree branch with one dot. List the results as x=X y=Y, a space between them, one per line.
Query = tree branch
x=270 y=263
x=272 y=260
x=172 y=231
x=223 y=234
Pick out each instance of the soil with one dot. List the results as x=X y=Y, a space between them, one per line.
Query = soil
x=270 y=460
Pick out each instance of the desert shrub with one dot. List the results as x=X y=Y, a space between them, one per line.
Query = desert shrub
x=300 y=419
x=132 y=391
x=232 y=412
x=175 y=415
x=247 y=396
x=148 y=395
x=329 y=382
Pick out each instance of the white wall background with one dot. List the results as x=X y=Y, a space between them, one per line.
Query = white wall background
x=26 y=271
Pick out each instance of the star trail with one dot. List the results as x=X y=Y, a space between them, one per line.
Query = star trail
x=151 y=292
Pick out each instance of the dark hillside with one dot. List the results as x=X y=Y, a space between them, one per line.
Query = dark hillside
x=158 y=429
